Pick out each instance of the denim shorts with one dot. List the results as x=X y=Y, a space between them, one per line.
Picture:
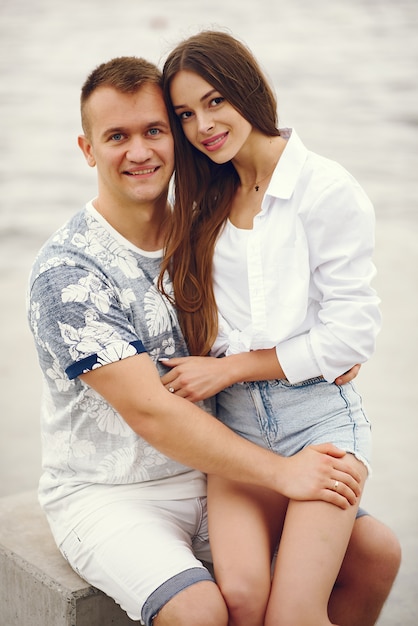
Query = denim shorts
x=140 y=552
x=285 y=417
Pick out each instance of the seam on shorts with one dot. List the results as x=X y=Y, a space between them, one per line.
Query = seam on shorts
x=197 y=536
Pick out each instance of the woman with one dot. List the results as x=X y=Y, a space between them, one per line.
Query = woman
x=270 y=257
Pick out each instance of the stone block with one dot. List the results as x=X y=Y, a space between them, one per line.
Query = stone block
x=37 y=586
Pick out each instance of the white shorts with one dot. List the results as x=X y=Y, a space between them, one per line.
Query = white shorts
x=141 y=552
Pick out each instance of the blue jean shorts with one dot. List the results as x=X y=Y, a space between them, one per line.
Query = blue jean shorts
x=285 y=417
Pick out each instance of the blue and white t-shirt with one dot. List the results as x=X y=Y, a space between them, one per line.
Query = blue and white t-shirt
x=94 y=300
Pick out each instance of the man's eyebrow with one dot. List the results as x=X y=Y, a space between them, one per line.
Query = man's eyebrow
x=158 y=123
x=204 y=97
x=113 y=130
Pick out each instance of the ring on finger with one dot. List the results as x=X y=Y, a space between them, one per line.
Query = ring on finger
x=171 y=389
x=335 y=486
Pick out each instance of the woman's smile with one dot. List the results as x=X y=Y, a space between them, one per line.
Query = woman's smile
x=210 y=123
x=216 y=142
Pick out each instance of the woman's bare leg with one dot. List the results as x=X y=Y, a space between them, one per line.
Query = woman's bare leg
x=314 y=540
x=244 y=526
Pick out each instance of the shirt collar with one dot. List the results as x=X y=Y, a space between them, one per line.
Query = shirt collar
x=289 y=167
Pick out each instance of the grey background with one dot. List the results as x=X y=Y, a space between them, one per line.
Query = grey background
x=346 y=76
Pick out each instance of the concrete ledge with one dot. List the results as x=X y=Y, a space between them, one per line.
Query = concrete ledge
x=37 y=586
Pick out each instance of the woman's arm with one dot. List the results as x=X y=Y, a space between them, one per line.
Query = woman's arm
x=339 y=229
x=197 y=378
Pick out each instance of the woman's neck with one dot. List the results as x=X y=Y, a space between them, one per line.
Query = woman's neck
x=257 y=161
x=255 y=166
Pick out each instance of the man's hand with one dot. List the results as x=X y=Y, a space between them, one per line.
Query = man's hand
x=348 y=376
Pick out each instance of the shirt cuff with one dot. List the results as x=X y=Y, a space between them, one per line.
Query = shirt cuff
x=297 y=359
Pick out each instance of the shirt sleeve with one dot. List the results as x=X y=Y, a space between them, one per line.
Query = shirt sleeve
x=340 y=234
x=79 y=322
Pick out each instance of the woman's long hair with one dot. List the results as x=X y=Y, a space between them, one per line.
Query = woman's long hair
x=203 y=189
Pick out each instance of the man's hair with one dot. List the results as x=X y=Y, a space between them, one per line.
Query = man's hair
x=125 y=74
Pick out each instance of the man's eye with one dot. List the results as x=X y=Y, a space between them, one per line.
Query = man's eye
x=154 y=131
x=117 y=137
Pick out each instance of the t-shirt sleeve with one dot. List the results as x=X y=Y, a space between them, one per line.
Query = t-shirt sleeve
x=80 y=320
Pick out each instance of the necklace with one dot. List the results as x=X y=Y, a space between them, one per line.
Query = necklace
x=256 y=185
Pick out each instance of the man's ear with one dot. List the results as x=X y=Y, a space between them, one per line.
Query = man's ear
x=87 y=149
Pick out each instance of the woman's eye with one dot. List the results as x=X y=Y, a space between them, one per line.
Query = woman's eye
x=217 y=100
x=185 y=115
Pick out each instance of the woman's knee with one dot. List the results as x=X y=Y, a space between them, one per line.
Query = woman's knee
x=246 y=597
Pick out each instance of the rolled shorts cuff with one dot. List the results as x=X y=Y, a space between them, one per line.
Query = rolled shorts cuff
x=169 y=589
x=361 y=512
x=361 y=458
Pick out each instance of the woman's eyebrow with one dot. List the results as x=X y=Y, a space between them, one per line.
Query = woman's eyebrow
x=204 y=97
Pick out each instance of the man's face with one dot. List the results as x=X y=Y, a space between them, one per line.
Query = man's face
x=131 y=144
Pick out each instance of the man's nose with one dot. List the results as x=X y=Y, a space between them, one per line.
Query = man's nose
x=138 y=150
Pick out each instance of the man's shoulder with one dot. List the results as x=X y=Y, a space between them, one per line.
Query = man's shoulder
x=59 y=247
x=61 y=238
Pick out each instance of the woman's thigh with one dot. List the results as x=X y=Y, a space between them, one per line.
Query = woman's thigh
x=313 y=544
x=245 y=523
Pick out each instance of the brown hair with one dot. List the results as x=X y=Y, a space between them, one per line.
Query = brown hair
x=204 y=189
x=125 y=74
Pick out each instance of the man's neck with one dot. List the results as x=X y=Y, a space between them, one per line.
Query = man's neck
x=144 y=225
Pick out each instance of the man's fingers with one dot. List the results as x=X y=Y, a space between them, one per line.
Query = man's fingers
x=348 y=376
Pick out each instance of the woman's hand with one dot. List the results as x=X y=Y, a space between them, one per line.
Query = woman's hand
x=200 y=377
x=195 y=377
x=324 y=472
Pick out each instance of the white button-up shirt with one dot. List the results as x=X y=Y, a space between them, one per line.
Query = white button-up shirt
x=300 y=279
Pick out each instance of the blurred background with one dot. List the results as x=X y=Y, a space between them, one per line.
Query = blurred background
x=346 y=76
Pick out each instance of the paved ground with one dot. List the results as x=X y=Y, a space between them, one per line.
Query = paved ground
x=345 y=73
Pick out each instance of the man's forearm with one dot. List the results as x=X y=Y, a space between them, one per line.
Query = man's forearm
x=184 y=432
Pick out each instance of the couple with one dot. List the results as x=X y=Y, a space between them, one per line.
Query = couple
x=128 y=430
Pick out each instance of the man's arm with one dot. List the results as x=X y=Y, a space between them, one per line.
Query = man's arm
x=189 y=435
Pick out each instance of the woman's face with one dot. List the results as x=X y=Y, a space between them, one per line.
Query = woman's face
x=209 y=122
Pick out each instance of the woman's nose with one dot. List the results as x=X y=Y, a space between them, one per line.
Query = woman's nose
x=205 y=123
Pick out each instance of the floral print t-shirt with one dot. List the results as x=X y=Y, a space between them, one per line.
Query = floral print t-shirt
x=93 y=300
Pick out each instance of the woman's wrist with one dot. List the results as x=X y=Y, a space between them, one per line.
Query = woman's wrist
x=252 y=366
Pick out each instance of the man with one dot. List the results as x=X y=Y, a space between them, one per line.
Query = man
x=123 y=503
